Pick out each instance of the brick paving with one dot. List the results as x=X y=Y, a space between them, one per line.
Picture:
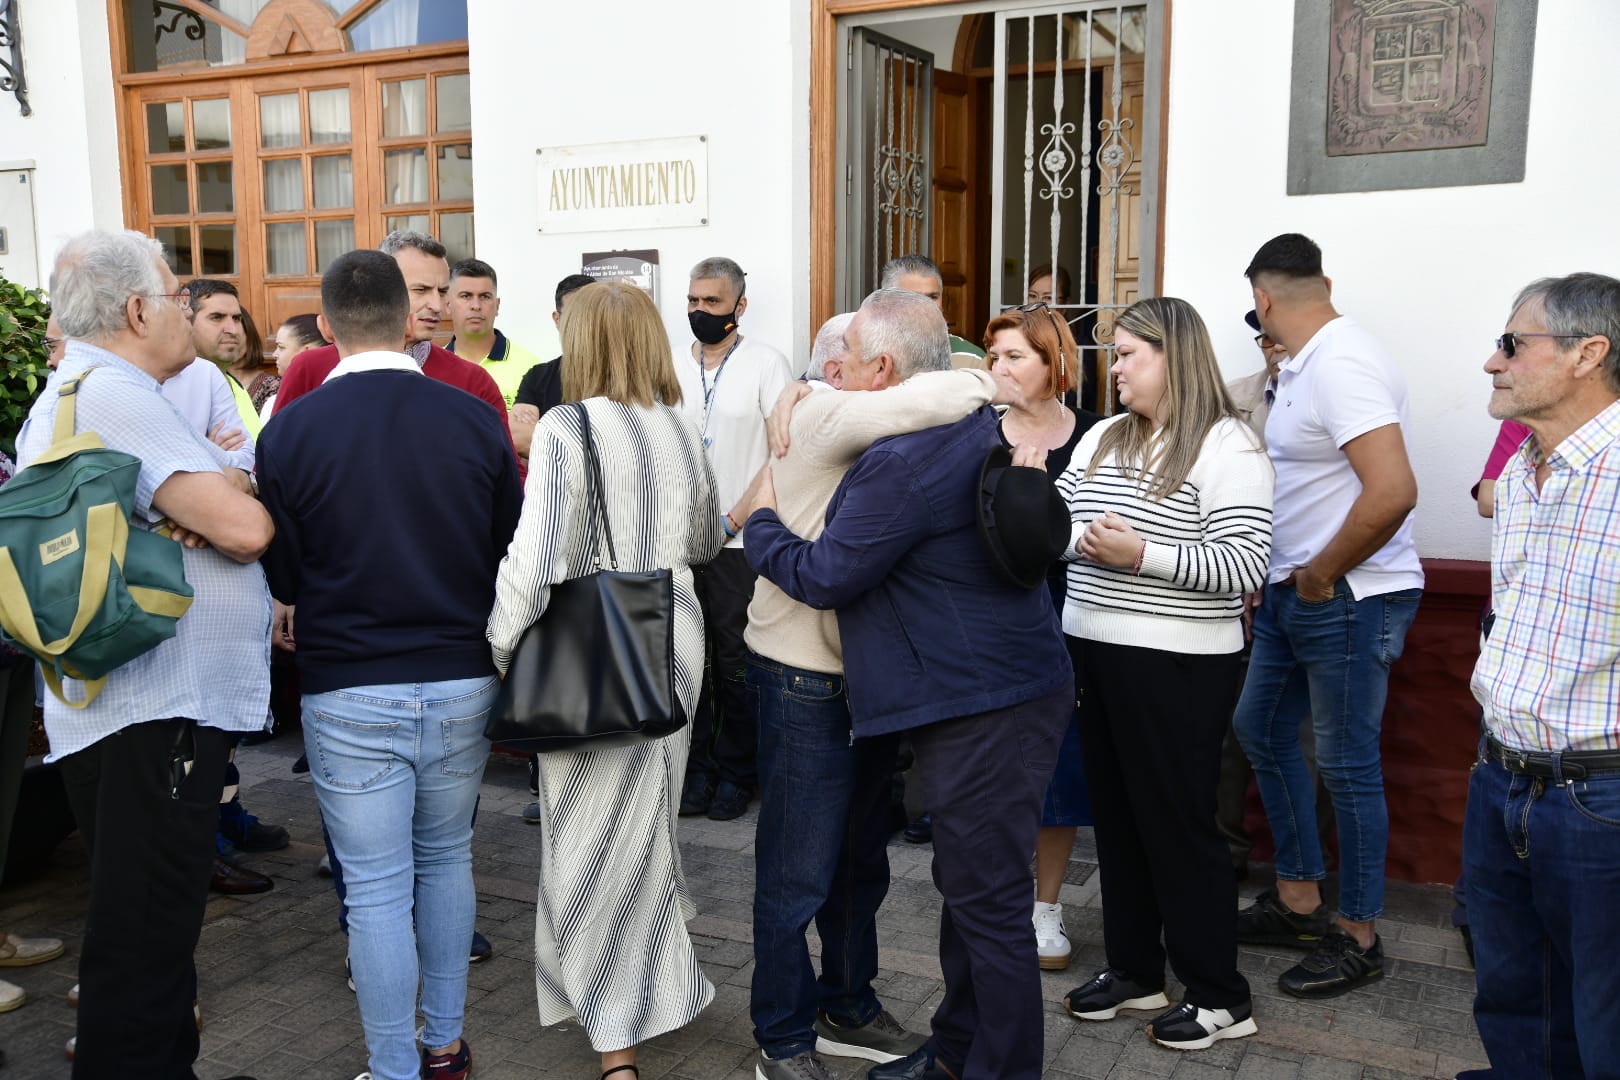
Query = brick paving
x=276 y=1004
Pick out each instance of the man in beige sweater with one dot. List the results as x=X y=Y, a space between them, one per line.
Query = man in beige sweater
x=823 y=822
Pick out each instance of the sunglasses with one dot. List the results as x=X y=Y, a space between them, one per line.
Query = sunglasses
x=1509 y=343
x=1041 y=305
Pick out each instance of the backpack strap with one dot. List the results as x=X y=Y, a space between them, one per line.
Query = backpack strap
x=64 y=443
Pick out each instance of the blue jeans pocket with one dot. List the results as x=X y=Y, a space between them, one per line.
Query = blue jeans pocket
x=353 y=756
x=1598 y=801
x=466 y=751
x=812 y=690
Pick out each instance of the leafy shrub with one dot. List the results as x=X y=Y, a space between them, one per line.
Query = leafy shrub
x=23 y=315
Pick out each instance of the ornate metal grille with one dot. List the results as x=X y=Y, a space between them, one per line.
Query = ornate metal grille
x=890 y=167
x=13 y=80
x=1067 y=74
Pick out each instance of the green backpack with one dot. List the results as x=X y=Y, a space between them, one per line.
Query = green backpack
x=80 y=591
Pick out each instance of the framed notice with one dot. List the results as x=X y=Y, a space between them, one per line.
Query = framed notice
x=643 y=184
x=638 y=268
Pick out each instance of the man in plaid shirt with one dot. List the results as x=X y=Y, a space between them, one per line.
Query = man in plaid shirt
x=1541 y=843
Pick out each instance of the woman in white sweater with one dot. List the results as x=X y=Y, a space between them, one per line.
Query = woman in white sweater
x=1171 y=504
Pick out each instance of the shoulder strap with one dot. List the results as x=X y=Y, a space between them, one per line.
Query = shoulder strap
x=67 y=413
x=593 y=483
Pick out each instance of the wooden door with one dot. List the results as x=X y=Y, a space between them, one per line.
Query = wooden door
x=954 y=220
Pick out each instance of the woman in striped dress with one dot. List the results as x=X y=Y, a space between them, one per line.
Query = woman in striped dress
x=611 y=947
x=1171 y=504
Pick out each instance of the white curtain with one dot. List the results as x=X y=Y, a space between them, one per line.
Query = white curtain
x=278 y=120
x=334 y=182
x=329 y=116
x=390 y=25
x=405 y=177
x=405 y=108
x=283 y=185
x=286 y=254
x=233 y=49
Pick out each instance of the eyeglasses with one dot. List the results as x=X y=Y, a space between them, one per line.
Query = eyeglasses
x=51 y=343
x=1509 y=343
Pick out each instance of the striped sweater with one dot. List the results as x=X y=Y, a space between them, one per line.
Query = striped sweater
x=1207 y=544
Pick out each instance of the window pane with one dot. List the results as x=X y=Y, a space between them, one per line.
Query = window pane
x=393 y=24
x=217 y=248
x=176 y=241
x=284 y=248
x=456 y=234
x=455 y=104
x=404 y=108
x=283 y=185
x=278 y=121
x=214 y=195
x=162 y=36
x=455 y=172
x=211 y=124
x=405 y=176
x=332 y=238
x=170 y=192
x=334 y=182
x=165 y=127
x=329 y=116
x=412 y=222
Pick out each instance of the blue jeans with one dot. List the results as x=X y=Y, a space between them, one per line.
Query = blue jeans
x=821 y=852
x=1543 y=866
x=397 y=769
x=1330 y=660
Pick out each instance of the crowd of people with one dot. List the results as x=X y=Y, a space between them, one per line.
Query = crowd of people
x=895 y=546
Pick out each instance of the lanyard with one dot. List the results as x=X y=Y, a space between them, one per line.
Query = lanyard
x=710 y=391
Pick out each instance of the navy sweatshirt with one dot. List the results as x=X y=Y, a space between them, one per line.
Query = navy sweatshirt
x=394 y=498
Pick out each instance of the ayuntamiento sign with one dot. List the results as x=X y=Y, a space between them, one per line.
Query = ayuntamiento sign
x=643 y=184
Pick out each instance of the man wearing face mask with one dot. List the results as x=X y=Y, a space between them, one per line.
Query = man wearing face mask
x=729 y=383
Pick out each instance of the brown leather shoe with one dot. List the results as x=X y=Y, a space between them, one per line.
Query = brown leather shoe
x=234 y=880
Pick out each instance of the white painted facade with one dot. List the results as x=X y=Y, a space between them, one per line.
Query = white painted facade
x=1430 y=271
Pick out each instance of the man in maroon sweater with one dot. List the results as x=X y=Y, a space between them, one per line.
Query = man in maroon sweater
x=427 y=275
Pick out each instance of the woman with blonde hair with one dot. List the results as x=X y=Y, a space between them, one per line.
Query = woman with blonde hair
x=1171 y=504
x=1035 y=362
x=611 y=947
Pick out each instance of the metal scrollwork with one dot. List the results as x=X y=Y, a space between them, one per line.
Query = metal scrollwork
x=12 y=78
x=1057 y=160
x=1115 y=155
x=194 y=30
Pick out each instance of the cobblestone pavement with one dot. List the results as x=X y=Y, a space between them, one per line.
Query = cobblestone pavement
x=276 y=1004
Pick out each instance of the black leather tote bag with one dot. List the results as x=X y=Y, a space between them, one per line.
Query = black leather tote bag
x=597 y=669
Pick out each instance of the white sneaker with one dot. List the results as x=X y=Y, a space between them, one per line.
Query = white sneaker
x=1051 y=940
x=11 y=996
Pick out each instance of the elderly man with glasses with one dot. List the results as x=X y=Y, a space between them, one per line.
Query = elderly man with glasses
x=1541 y=841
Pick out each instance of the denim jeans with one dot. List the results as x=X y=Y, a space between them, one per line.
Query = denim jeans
x=397 y=769
x=820 y=853
x=1330 y=660
x=1543 y=866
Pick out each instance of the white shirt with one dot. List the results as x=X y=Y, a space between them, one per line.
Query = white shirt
x=1340 y=386
x=377 y=360
x=203 y=397
x=728 y=406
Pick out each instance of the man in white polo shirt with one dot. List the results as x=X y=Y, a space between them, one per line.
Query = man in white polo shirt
x=1343 y=569
x=728 y=385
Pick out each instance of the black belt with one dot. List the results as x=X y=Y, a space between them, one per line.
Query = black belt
x=1575 y=765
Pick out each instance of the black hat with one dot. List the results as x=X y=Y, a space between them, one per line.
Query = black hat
x=1253 y=319
x=1023 y=521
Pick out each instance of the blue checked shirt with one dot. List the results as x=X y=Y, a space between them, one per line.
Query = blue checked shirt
x=1549 y=675
x=216 y=669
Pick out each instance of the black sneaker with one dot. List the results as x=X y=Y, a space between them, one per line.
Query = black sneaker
x=1187 y=1027
x=729 y=803
x=1268 y=921
x=481 y=949
x=882 y=1039
x=1337 y=966
x=1110 y=991
x=697 y=794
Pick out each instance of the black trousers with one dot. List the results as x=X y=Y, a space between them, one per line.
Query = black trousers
x=984 y=778
x=150 y=859
x=1151 y=725
x=725 y=731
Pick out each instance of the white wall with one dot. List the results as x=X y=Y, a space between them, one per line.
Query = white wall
x=736 y=71
x=72 y=136
x=1432 y=272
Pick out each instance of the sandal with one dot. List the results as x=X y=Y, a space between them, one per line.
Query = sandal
x=622 y=1068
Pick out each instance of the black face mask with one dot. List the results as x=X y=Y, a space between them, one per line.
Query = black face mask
x=711 y=329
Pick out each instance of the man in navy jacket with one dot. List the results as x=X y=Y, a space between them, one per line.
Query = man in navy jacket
x=936 y=643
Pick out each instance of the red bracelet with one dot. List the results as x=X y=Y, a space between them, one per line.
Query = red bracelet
x=1140 y=555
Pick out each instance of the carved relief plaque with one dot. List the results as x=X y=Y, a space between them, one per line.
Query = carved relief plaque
x=1409 y=75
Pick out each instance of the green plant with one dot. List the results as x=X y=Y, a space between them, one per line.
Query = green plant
x=24 y=313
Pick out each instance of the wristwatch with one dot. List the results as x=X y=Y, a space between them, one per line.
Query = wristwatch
x=253 y=482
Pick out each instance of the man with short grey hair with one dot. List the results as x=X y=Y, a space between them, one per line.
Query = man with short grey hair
x=729 y=383
x=1541 y=850
x=143 y=762
x=938 y=644
x=919 y=274
x=827 y=353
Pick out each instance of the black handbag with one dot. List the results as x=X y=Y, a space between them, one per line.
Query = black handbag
x=597 y=669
